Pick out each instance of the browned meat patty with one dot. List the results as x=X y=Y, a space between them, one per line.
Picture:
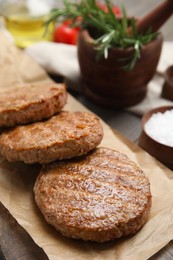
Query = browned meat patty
x=99 y=197
x=65 y=135
x=30 y=103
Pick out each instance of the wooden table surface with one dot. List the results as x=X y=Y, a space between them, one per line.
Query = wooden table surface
x=125 y=122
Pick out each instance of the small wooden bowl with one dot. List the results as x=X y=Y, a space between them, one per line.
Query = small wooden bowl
x=167 y=90
x=161 y=152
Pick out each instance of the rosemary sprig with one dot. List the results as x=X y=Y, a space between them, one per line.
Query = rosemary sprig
x=111 y=32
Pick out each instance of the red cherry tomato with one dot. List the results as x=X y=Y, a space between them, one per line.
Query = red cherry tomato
x=65 y=34
x=116 y=10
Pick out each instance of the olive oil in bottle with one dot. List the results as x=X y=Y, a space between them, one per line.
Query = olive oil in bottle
x=25 y=27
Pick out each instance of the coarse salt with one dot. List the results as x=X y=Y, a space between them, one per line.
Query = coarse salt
x=160 y=127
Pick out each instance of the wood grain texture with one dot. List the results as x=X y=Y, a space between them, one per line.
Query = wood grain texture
x=110 y=85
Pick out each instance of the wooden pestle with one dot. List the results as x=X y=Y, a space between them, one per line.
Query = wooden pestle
x=156 y=18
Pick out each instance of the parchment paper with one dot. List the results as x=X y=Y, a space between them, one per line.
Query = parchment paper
x=17 y=180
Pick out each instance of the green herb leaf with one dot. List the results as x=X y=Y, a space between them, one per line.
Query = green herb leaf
x=111 y=32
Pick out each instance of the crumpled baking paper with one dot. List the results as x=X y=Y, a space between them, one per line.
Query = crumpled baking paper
x=17 y=181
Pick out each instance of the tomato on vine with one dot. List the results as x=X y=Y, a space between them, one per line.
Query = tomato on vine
x=116 y=10
x=64 y=33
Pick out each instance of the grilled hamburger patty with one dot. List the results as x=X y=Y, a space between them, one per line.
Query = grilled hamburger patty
x=30 y=103
x=65 y=135
x=100 y=196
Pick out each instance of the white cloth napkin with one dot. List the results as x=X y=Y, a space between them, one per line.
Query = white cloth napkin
x=61 y=59
x=57 y=58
